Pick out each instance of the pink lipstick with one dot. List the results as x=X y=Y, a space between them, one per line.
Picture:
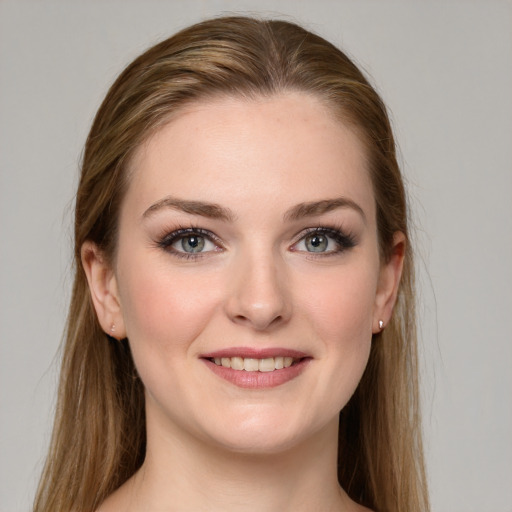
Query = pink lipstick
x=248 y=367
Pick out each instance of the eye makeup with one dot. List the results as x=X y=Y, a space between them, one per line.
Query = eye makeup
x=323 y=241
x=194 y=242
x=189 y=242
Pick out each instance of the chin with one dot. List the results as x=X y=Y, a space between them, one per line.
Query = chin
x=258 y=443
x=268 y=434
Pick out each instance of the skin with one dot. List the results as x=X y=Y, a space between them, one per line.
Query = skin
x=213 y=445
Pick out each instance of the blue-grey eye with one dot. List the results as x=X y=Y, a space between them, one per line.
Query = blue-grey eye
x=324 y=242
x=189 y=242
x=192 y=243
x=316 y=243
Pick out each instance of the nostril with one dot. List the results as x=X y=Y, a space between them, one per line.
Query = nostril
x=260 y=321
x=258 y=299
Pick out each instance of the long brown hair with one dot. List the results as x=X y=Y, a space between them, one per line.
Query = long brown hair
x=99 y=433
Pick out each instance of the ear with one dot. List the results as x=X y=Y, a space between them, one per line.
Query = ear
x=389 y=281
x=104 y=293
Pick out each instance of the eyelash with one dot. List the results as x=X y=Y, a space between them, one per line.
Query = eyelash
x=170 y=238
x=345 y=241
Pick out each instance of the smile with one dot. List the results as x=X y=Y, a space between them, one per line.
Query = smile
x=249 y=364
x=257 y=368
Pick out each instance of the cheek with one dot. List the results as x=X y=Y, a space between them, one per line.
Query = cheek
x=341 y=305
x=163 y=309
x=341 y=313
x=165 y=312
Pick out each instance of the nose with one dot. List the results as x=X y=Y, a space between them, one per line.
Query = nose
x=259 y=295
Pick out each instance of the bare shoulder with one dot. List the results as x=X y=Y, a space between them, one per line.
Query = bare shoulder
x=118 y=500
x=111 y=504
x=350 y=505
x=360 y=508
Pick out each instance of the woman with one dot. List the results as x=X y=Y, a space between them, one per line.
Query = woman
x=241 y=238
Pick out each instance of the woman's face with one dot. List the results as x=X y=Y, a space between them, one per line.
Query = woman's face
x=248 y=274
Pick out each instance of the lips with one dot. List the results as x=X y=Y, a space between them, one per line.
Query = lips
x=257 y=368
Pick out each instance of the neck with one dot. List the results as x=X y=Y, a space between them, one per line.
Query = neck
x=186 y=474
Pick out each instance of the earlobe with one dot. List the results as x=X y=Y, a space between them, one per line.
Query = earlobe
x=103 y=288
x=389 y=282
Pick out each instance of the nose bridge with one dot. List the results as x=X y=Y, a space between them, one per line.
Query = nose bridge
x=259 y=295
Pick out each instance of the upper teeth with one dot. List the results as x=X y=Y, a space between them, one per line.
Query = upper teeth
x=268 y=364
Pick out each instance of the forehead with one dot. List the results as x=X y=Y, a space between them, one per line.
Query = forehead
x=288 y=148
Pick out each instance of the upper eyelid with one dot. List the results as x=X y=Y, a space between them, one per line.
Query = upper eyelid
x=339 y=235
x=170 y=237
x=174 y=233
x=322 y=229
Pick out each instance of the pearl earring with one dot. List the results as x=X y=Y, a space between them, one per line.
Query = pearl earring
x=381 y=324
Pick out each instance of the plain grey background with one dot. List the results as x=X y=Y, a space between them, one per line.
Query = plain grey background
x=445 y=71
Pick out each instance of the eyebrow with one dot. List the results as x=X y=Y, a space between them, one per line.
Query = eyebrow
x=210 y=210
x=215 y=211
x=314 y=208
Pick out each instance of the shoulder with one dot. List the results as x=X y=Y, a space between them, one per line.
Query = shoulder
x=360 y=508
x=118 y=500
